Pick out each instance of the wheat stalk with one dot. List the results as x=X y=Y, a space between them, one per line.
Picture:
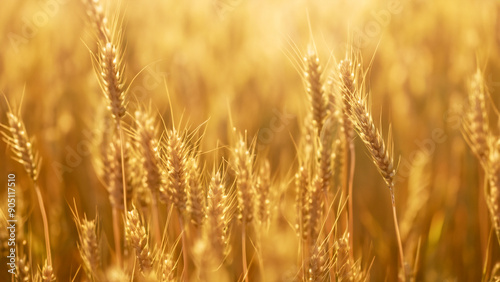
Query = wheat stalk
x=117 y=198
x=382 y=155
x=418 y=193
x=22 y=148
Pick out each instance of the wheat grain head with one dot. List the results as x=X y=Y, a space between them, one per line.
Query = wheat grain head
x=137 y=237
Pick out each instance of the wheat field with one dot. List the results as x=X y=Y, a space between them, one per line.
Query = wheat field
x=233 y=140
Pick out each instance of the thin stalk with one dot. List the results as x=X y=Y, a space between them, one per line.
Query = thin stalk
x=350 y=204
x=45 y=224
x=116 y=217
x=116 y=234
x=344 y=218
x=302 y=252
x=482 y=199
x=156 y=220
x=244 y=252
x=123 y=171
x=328 y=227
x=184 y=250
x=398 y=236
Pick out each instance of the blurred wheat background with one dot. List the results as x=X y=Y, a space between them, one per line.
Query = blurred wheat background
x=231 y=71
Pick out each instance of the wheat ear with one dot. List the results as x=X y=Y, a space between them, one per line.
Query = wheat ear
x=263 y=186
x=381 y=154
x=302 y=200
x=48 y=273
x=97 y=18
x=196 y=191
x=146 y=138
x=315 y=209
x=325 y=153
x=137 y=237
x=174 y=156
x=243 y=166
x=88 y=245
x=493 y=177
x=108 y=62
x=345 y=268
x=22 y=148
x=218 y=216
x=319 y=263
x=315 y=90
x=302 y=205
x=475 y=121
x=23 y=271
x=166 y=268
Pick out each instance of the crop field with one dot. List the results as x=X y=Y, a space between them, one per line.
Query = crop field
x=236 y=140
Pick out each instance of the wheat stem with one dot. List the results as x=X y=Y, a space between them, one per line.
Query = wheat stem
x=184 y=250
x=350 y=201
x=244 y=252
x=398 y=236
x=124 y=181
x=116 y=234
x=45 y=224
x=156 y=220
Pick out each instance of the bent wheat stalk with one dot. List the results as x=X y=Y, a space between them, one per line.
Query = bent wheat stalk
x=381 y=154
x=22 y=148
x=349 y=70
x=109 y=69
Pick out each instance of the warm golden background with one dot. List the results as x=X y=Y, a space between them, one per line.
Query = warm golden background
x=224 y=60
